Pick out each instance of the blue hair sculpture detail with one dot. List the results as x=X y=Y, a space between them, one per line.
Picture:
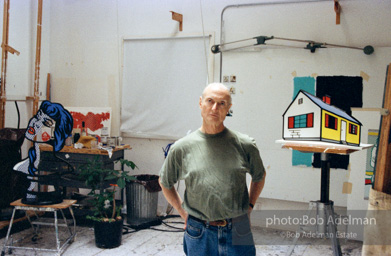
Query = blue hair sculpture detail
x=48 y=114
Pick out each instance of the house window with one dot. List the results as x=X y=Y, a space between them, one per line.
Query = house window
x=300 y=101
x=331 y=122
x=301 y=121
x=352 y=129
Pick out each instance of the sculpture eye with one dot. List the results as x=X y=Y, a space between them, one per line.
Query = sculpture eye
x=48 y=122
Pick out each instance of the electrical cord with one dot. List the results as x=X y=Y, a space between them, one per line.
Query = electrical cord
x=172 y=229
x=125 y=227
x=176 y=229
x=17 y=110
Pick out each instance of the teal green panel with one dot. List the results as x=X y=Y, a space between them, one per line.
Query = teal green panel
x=307 y=84
x=300 y=158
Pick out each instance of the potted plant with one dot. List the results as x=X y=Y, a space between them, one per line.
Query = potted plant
x=106 y=212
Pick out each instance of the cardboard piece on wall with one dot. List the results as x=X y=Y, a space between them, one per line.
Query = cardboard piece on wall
x=347 y=188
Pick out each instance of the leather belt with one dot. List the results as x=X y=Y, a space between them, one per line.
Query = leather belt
x=216 y=223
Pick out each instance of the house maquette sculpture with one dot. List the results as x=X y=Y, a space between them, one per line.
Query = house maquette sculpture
x=312 y=119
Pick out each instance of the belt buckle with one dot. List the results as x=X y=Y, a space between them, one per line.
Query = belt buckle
x=222 y=223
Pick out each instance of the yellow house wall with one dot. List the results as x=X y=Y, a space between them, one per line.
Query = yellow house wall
x=328 y=133
x=335 y=135
x=353 y=138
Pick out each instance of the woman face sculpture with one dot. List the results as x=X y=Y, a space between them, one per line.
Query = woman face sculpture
x=36 y=123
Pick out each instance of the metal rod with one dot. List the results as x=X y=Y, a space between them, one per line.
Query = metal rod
x=257 y=45
x=332 y=229
x=238 y=41
x=325 y=178
x=217 y=48
x=249 y=5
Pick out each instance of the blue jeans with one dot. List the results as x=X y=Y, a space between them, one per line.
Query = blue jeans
x=232 y=240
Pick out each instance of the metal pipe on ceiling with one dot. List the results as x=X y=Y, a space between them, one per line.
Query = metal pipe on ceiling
x=249 y=5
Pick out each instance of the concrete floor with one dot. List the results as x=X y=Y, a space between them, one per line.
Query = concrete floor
x=163 y=240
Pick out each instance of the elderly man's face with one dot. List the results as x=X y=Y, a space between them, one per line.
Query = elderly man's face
x=214 y=105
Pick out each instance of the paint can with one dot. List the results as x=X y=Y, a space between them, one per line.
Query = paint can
x=118 y=140
x=68 y=141
x=111 y=142
x=104 y=132
x=94 y=144
x=103 y=140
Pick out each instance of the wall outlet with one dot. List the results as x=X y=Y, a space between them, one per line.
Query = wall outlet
x=225 y=79
x=232 y=79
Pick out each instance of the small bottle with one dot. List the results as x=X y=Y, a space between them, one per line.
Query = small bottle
x=83 y=129
x=76 y=137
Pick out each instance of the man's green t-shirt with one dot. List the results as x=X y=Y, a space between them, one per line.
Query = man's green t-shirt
x=214 y=169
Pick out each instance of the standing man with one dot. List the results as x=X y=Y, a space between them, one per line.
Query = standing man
x=213 y=162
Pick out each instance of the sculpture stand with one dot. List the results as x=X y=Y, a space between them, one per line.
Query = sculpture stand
x=324 y=211
x=325 y=226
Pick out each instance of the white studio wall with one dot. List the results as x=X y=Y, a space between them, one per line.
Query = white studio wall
x=261 y=101
x=264 y=78
x=82 y=49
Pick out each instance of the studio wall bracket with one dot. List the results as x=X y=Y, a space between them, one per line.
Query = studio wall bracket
x=178 y=17
x=337 y=9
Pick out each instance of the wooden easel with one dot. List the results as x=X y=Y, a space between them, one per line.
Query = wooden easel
x=383 y=164
x=37 y=59
x=5 y=48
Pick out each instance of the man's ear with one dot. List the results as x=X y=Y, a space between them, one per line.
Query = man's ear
x=200 y=102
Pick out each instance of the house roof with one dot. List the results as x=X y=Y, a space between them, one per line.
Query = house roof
x=330 y=108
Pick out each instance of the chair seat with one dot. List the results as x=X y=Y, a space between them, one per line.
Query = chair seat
x=60 y=248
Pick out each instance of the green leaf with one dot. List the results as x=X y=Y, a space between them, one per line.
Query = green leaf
x=121 y=183
x=128 y=163
x=94 y=172
x=130 y=178
x=110 y=177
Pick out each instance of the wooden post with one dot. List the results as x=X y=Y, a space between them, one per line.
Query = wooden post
x=5 y=48
x=37 y=58
x=383 y=162
x=48 y=87
x=4 y=55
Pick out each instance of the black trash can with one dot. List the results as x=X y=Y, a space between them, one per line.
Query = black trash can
x=142 y=200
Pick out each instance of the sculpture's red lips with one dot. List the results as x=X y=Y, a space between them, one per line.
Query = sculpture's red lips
x=31 y=130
